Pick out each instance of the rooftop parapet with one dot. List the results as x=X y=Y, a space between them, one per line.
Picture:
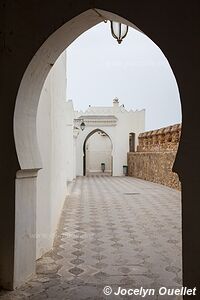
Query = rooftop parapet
x=163 y=139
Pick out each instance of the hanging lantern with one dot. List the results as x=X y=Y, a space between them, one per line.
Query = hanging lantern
x=82 y=126
x=118 y=30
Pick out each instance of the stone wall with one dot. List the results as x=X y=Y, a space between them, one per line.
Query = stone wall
x=156 y=152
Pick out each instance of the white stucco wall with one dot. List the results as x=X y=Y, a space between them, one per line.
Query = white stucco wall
x=71 y=142
x=98 y=150
x=55 y=138
x=126 y=122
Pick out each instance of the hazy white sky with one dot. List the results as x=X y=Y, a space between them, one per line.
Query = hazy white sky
x=136 y=71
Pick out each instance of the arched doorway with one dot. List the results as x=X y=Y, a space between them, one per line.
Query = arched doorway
x=154 y=21
x=97 y=153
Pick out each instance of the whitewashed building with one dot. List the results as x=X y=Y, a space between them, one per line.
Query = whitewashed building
x=109 y=134
x=55 y=122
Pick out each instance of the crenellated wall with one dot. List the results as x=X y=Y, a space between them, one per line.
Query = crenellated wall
x=154 y=159
x=163 y=139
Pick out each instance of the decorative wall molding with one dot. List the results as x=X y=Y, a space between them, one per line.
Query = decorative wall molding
x=95 y=121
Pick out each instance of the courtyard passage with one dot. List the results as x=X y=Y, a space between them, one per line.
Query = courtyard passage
x=114 y=231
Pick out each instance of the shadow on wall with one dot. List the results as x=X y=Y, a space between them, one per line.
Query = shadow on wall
x=155 y=156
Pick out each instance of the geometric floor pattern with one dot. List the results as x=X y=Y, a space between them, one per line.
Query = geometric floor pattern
x=114 y=231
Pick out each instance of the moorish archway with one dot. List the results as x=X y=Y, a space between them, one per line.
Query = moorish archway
x=102 y=140
x=32 y=54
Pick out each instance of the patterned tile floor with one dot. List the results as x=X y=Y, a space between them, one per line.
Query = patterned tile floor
x=114 y=231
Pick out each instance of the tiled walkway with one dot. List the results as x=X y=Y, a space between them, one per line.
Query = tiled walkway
x=116 y=231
